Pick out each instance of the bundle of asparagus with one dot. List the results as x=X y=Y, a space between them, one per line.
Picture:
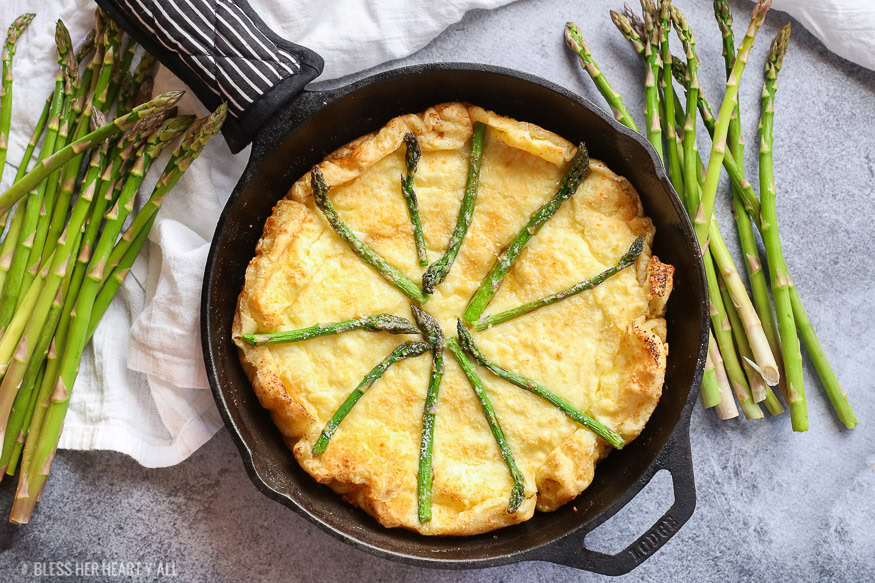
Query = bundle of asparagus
x=66 y=250
x=750 y=350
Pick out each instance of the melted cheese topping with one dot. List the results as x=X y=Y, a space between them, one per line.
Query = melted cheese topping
x=603 y=350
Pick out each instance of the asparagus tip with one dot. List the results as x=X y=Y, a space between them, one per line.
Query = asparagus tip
x=98 y=119
x=758 y=15
x=574 y=39
x=634 y=20
x=62 y=40
x=634 y=250
x=778 y=49
x=317 y=183
x=18 y=26
x=414 y=153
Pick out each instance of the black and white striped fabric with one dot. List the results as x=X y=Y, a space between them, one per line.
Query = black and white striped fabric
x=224 y=52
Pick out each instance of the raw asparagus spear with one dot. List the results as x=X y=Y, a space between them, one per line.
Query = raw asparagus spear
x=12 y=288
x=49 y=188
x=741 y=206
x=467 y=342
x=577 y=171
x=390 y=273
x=378 y=323
x=725 y=407
x=48 y=286
x=625 y=261
x=771 y=239
x=702 y=220
x=15 y=31
x=675 y=172
x=759 y=344
x=438 y=270
x=401 y=352
x=723 y=334
x=36 y=462
x=574 y=40
x=11 y=241
x=691 y=82
x=653 y=64
x=518 y=490
x=192 y=143
x=433 y=334
x=59 y=158
x=761 y=392
x=679 y=72
x=412 y=160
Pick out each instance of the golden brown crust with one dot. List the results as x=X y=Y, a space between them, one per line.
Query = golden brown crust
x=606 y=356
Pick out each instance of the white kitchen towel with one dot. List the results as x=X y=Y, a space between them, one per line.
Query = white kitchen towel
x=141 y=389
x=846 y=27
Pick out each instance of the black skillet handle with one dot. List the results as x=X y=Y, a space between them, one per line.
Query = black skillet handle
x=225 y=53
x=677 y=459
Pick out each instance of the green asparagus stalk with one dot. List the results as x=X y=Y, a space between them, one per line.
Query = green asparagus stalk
x=35 y=465
x=752 y=205
x=438 y=270
x=403 y=351
x=431 y=331
x=83 y=112
x=35 y=191
x=837 y=396
x=744 y=202
x=765 y=360
x=123 y=68
x=11 y=241
x=709 y=393
x=27 y=364
x=577 y=171
x=59 y=158
x=578 y=416
x=653 y=64
x=87 y=47
x=675 y=171
x=574 y=40
x=691 y=82
x=378 y=323
x=115 y=280
x=142 y=77
x=192 y=144
x=70 y=68
x=625 y=261
x=112 y=38
x=391 y=274
x=19 y=422
x=679 y=72
x=760 y=391
x=702 y=220
x=725 y=407
x=15 y=31
x=518 y=490
x=777 y=268
x=723 y=334
x=59 y=318
x=412 y=160
x=30 y=317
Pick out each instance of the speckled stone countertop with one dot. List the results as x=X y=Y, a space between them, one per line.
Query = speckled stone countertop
x=771 y=505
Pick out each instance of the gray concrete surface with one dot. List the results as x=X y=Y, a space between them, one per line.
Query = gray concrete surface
x=772 y=505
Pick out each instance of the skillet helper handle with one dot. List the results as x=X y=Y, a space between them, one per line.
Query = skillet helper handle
x=677 y=459
x=225 y=53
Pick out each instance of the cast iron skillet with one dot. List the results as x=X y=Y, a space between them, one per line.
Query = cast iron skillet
x=297 y=134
